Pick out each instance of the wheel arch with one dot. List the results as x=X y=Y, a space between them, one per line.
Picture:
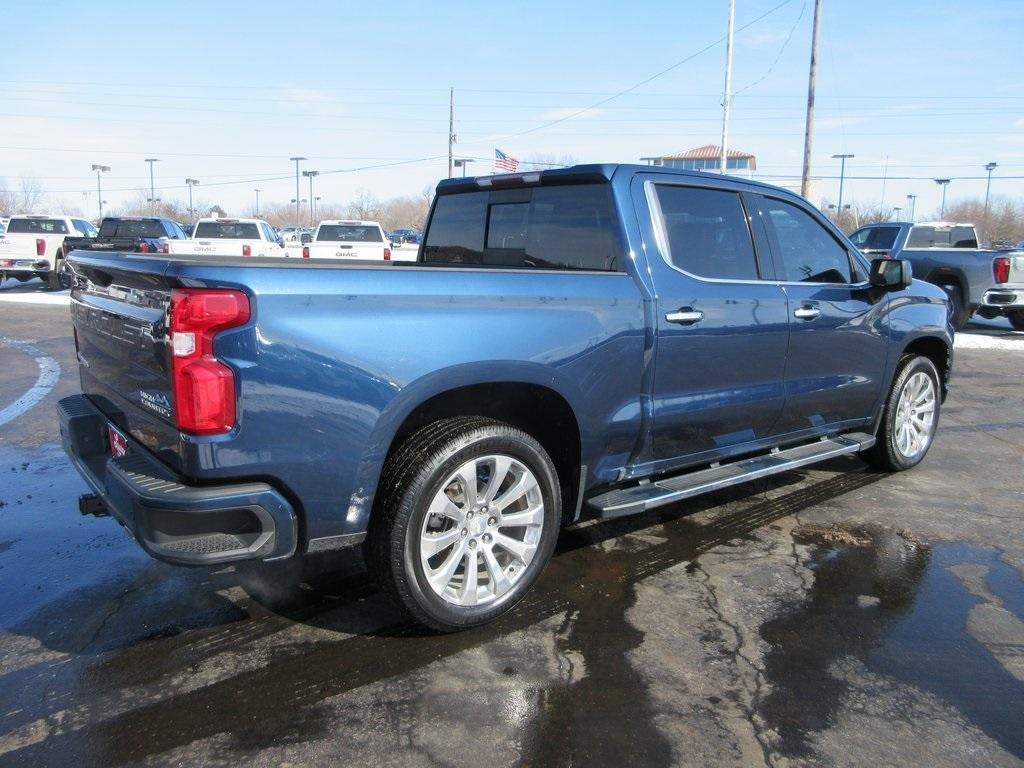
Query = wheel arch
x=938 y=351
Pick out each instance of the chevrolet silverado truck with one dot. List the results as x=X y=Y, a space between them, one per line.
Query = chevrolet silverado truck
x=33 y=246
x=130 y=233
x=585 y=342
x=351 y=240
x=978 y=281
x=231 y=237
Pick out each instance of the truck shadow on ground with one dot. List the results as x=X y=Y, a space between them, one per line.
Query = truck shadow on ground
x=278 y=702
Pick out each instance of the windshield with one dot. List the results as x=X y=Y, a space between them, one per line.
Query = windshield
x=875 y=238
x=130 y=228
x=349 y=233
x=38 y=226
x=223 y=230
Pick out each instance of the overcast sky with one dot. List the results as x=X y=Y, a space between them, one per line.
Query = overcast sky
x=226 y=92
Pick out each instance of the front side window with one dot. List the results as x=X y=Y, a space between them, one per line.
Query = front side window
x=875 y=238
x=807 y=252
x=707 y=232
x=563 y=227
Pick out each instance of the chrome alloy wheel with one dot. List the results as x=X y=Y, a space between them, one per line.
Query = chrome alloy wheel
x=915 y=416
x=482 y=530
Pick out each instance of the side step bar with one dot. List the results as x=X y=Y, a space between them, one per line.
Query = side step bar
x=638 y=498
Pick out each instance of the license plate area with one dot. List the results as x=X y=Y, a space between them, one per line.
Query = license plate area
x=118 y=442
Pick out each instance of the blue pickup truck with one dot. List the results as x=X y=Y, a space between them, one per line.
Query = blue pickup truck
x=592 y=341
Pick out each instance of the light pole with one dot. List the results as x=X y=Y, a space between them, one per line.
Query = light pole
x=296 y=160
x=191 y=211
x=896 y=212
x=312 y=204
x=842 y=175
x=152 y=189
x=988 y=185
x=912 y=202
x=257 y=191
x=943 y=183
x=99 y=185
x=462 y=163
x=315 y=201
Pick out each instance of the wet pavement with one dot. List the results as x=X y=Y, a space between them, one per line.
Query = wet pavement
x=833 y=616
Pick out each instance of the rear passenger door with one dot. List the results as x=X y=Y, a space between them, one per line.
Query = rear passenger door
x=722 y=323
x=837 y=348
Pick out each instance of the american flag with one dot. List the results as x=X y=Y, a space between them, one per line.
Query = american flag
x=503 y=162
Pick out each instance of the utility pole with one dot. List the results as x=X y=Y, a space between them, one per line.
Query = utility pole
x=99 y=185
x=842 y=175
x=911 y=202
x=988 y=186
x=727 y=97
x=943 y=183
x=805 y=181
x=152 y=189
x=191 y=210
x=257 y=191
x=312 y=205
x=297 y=160
x=451 y=130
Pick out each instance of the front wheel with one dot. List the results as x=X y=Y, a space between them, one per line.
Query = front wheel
x=468 y=519
x=910 y=416
x=1016 y=319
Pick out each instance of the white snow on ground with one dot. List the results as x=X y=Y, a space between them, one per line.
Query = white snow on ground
x=58 y=299
x=1010 y=342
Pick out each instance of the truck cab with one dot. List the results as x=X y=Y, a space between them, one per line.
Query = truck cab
x=33 y=246
x=353 y=240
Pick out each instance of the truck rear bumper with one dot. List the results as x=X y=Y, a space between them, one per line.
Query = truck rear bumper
x=171 y=520
x=25 y=266
x=1007 y=299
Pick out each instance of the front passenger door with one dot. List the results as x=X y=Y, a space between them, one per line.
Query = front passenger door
x=837 y=348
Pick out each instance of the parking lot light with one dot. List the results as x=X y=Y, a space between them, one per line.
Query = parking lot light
x=99 y=185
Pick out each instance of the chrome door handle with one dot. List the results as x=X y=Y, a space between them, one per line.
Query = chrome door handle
x=685 y=316
x=807 y=313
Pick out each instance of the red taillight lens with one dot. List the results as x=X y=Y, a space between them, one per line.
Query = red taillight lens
x=203 y=387
x=246 y=250
x=305 y=251
x=1001 y=269
x=40 y=246
x=165 y=246
x=387 y=254
x=143 y=247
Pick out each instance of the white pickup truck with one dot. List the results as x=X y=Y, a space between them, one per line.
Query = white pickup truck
x=231 y=237
x=33 y=246
x=350 y=240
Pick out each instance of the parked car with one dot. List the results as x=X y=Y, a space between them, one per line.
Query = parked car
x=590 y=341
x=231 y=237
x=978 y=281
x=403 y=236
x=33 y=246
x=129 y=233
x=353 y=241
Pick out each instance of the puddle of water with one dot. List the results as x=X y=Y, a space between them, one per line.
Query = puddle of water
x=895 y=606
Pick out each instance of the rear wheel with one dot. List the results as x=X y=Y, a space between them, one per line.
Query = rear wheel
x=467 y=521
x=961 y=312
x=1016 y=319
x=58 y=279
x=910 y=417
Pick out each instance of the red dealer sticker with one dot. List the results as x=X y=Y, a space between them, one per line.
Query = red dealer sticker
x=118 y=442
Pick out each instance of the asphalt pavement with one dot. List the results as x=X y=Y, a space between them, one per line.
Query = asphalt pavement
x=830 y=616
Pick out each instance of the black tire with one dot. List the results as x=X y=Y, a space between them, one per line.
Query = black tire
x=58 y=279
x=961 y=312
x=410 y=480
x=885 y=454
x=1016 y=319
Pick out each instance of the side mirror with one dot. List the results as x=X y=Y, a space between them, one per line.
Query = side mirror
x=306 y=238
x=891 y=274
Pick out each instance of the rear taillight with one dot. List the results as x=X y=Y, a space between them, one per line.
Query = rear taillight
x=246 y=250
x=1001 y=269
x=165 y=246
x=203 y=387
x=305 y=251
x=143 y=247
x=40 y=246
x=387 y=254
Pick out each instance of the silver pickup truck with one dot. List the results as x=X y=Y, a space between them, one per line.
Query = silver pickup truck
x=978 y=281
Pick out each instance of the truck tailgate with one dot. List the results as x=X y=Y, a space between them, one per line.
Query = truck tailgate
x=119 y=309
x=355 y=251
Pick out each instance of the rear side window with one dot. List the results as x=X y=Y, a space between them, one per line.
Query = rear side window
x=565 y=227
x=349 y=233
x=220 y=230
x=806 y=250
x=37 y=226
x=707 y=232
x=875 y=238
x=964 y=237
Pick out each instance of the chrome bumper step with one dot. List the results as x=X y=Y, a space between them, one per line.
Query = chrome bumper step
x=639 y=498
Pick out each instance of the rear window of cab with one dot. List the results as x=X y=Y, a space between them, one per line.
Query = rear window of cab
x=220 y=230
x=38 y=226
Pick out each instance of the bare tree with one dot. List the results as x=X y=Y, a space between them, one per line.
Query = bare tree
x=364 y=206
x=30 y=195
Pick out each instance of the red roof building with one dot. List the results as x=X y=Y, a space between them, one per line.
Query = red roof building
x=706 y=158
